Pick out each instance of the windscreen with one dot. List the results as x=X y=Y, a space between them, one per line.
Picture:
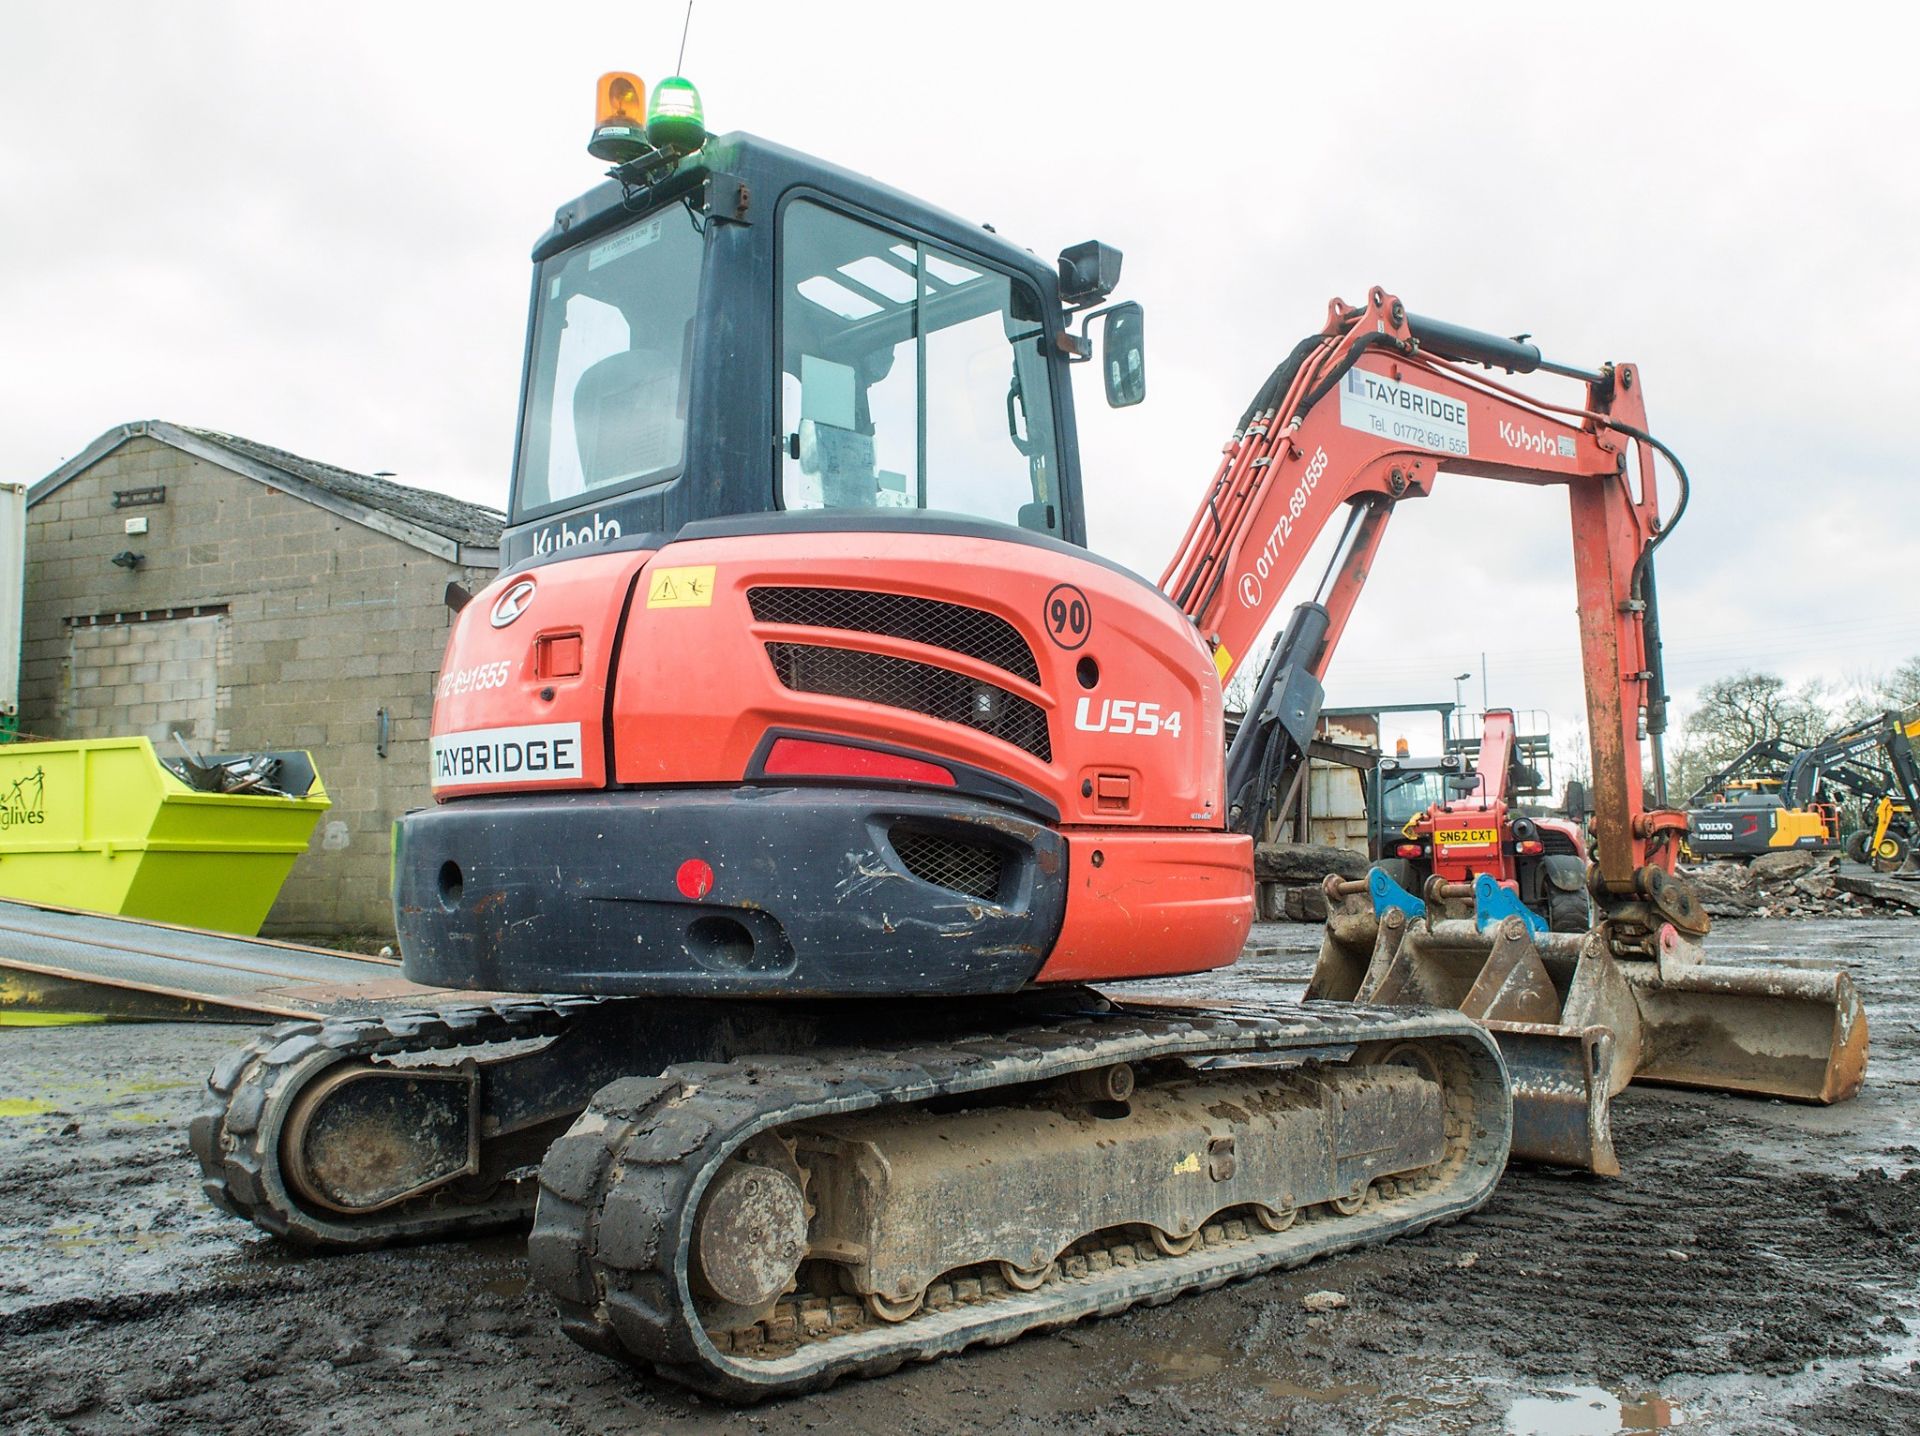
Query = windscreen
x=1405 y=795
x=606 y=403
x=912 y=377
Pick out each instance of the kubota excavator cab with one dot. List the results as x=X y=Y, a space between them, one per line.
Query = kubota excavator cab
x=798 y=678
x=759 y=332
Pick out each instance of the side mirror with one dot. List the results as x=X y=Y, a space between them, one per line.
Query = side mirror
x=1123 y=355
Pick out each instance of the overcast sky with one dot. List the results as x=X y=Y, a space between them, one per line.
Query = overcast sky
x=310 y=225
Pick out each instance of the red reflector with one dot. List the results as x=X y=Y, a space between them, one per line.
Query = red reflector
x=695 y=878
x=1408 y=850
x=804 y=758
x=1530 y=849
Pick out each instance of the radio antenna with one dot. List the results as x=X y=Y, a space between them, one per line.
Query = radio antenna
x=680 y=64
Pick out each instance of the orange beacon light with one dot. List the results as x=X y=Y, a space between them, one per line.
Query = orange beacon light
x=619 y=118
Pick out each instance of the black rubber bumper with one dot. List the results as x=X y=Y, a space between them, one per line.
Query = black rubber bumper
x=738 y=892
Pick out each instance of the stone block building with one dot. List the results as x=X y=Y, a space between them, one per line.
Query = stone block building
x=185 y=581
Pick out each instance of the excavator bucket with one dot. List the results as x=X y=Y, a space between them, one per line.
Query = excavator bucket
x=1797 y=1033
x=1576 y=1024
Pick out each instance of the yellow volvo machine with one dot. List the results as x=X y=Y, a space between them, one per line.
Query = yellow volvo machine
x=1775 y=796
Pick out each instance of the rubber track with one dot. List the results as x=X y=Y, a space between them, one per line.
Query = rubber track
x=236 y=1134
x=620 y=1191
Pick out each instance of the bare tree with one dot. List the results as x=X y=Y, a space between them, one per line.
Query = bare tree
x=1240 y=692
x=1901 y=688
x=1736 y=711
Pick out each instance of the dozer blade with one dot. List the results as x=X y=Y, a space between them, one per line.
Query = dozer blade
x=1576 y=1024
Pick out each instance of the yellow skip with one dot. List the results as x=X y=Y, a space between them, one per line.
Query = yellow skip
x=48 y=1019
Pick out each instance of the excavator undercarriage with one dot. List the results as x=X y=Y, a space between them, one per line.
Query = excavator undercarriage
x=784 y=1200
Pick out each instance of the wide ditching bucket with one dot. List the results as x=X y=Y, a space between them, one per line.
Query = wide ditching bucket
x=1576 y=1022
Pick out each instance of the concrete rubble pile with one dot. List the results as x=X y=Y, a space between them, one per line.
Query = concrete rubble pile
x=1793 y=883
x=1784 y=884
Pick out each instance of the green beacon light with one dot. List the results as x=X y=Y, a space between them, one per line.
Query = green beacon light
x=675 y=122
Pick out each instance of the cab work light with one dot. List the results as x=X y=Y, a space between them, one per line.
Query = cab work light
x=619 y=118
x=675 y=121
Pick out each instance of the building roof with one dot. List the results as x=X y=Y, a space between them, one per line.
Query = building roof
x=439 y=523
x=442 y=513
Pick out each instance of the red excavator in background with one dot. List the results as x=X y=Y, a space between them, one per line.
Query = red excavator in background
x=804 y=746
x=1541 y=859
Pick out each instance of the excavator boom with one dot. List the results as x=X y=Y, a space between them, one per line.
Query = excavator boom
x=1369 y=413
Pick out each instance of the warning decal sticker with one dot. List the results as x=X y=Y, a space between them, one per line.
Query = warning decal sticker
x=690 y=587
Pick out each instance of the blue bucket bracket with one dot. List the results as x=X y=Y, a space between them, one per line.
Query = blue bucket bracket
x=1493 y=905
x=1386 y=893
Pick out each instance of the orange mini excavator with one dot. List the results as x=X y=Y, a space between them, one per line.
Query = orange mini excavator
x=804 y=748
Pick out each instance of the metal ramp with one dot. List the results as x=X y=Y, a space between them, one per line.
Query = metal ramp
x=60 y=964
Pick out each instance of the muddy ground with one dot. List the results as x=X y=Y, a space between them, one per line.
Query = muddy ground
x=1757 y=1269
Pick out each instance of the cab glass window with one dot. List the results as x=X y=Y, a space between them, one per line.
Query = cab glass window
x=612 y=346
x=911 y=377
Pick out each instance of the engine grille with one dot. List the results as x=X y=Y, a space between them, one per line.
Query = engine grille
x=958 y=629
x=976 y=869
x=920 y=687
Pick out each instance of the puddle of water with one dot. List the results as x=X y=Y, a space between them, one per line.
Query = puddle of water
x=95 y=1092
x=1591 y=1411
x=74 y=1240
x=1289 y=1391
x=1198 y=1365
x=1904 y=1351
x=1191 y=1365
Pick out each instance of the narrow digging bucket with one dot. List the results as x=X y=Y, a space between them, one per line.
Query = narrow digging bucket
x=1796 y=1033
x=1558 y=1012
x=1561 y=1106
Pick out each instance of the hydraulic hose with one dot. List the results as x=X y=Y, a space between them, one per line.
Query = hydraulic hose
x=1644 y=589
x=1280 y=380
